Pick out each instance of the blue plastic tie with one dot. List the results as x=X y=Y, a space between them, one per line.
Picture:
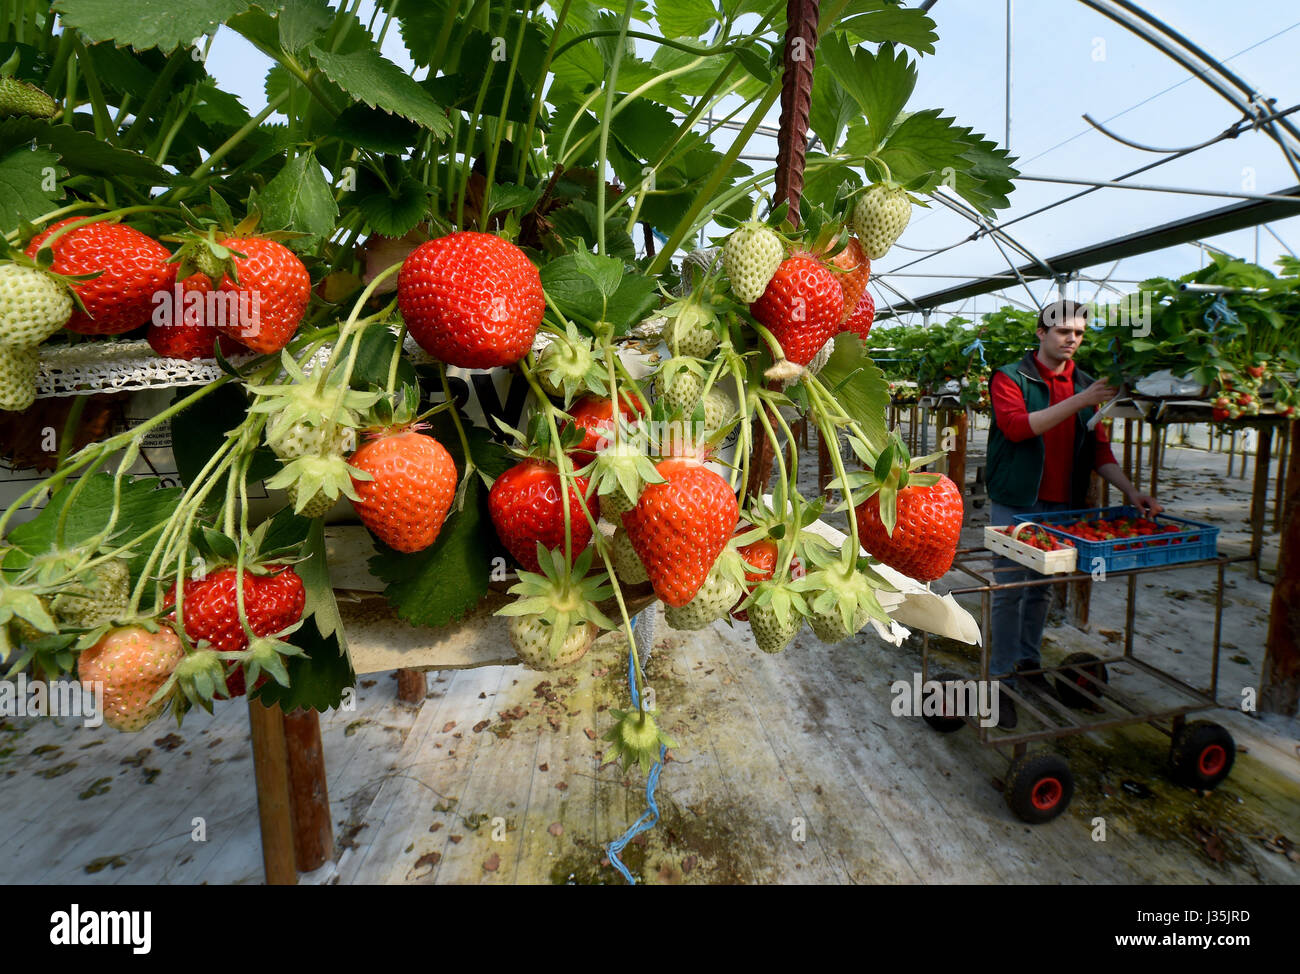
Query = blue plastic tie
x=1217 y=313
x=976 y=346
x=651 y=817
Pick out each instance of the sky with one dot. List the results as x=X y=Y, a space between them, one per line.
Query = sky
x=1066 y=60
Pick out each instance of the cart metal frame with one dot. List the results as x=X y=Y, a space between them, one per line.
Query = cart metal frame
x=1112 y=706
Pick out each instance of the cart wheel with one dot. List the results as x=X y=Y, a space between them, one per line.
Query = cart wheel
x=945 y=723
x=1039 y=787
x=1069 y=683
x=1202 y=754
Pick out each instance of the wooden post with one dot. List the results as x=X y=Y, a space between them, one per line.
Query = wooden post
x=1155 y=458
x=1128 y=449
x=1280 y=681
x=411 y=686
x=958 y=423
x=271 y=772
x=1279 y=492
x=313 y=830
x=1137 y=463
x=1259 y=494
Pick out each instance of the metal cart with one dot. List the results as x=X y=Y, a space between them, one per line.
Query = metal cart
x=1039 y=785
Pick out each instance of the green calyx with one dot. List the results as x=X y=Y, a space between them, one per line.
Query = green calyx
x=562 y=599
x=636 y=739
x=311 y=477
x=888 y=472
x=267 y=654
x=200 y=678
x=568 y=366
x=297 y=401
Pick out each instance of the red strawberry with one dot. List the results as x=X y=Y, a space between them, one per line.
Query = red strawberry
x=412 y=490
x=131 y=664
x=801 y=307
x=272 y=603
x=471 y=299
x=186 y=333
x=273 y=290
x=679 y=527
x=134 y=270
x=857 y=271
x=762 y=555
x=526 y=508
x=863 y=317
x=925 y=534
x=593 y=415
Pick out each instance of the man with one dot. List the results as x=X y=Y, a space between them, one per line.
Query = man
x=1041 y=455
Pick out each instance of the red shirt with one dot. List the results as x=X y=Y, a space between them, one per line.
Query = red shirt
x=1058 y=442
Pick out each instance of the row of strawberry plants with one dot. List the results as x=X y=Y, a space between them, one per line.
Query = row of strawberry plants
x=471 y=212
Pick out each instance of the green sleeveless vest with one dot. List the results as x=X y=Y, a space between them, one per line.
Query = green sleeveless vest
x=1014 y=471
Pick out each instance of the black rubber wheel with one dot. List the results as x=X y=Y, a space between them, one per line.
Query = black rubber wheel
x=1201 y=755
x=1071 y=681
x=947 y=723
x=1039 y=787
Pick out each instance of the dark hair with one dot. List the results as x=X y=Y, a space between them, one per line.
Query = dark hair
x=1059 y=312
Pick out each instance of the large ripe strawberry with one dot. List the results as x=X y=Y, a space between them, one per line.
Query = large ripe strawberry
x=751 y=256
x=856 y=267
x=925 y=535
x=679 y=527
x=863 y=317
x=33 y=306
x=802 y=307
x=413 y=485
x=133 y=272
x=272 y=602
x=270 y=297
x=131 y=665
x=471 y=299
x=526 y=508
x=880 y=216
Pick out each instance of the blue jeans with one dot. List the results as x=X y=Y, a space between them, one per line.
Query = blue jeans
x=1018 y=613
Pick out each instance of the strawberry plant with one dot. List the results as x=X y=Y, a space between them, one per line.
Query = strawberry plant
x=523 y=204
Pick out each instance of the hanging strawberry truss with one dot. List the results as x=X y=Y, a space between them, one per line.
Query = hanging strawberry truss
x=354 y=255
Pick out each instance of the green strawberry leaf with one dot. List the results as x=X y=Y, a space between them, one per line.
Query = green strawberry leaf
x=858 y=386
x=374 y=358
x=142 y=24
x=686 y=18
x=370 y=77
x=29 y=180
x=300 y=199
x=142 y=505
x=315 y=575
x=880 y=83
x=879 y=21
x=371 y=128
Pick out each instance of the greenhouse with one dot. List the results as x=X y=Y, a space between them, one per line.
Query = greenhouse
x=693 y=442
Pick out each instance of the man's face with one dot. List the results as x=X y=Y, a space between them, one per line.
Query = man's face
x=1062 y=340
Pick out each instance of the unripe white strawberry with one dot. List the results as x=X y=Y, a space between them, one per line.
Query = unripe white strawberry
x=33 y=306
x=712 y=602
x=627 y=565
x=319 y=505
x=690 y=330
x=679 y=386
x=531 y=639
x=880 y=217
x=305 y=440
x=751 y=256
x=771 y=632
x=18 y=368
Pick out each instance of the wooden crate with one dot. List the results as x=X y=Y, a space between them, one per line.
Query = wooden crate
x=1043 y=562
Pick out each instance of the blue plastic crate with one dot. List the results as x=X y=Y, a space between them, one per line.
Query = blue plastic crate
x=1198 y=540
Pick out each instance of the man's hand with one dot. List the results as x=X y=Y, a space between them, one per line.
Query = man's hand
x=1145 y=503
x=1096 y=394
